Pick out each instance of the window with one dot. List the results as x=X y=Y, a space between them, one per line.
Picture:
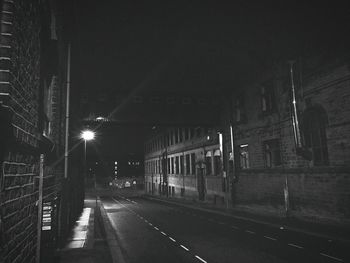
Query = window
x=172 y=165
x=314 y=133
x=208 y=166
x=217 y=162
x=268 y=103
x=176 y=135
x=188 y=164
x=239 y=109
x=169 y=166
x=272 y=153
x=193 y=163
x=244 y=156
x=181 y=164
x=191 y=133
x=186 y=130
x=180 y=135
x=171 y=137
x=177 y=166
x=198 y=131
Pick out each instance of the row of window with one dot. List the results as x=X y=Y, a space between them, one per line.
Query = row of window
x=175 y=136
x=185 y=164
x=314 y=140
x=271 y=151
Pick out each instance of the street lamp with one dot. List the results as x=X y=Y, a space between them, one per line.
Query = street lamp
x=88 y=135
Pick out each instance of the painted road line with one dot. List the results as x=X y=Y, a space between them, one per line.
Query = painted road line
x=156 y=228
x=150 y=224
x=271 y=238
x=185 y=248
x=163 y=233
x=133 y=202
x=294 y=245
x=198 y=257
x=172 y=239
x=250 y=232
x=334 y=258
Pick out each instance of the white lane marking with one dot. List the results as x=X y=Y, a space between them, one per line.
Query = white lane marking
x=198 y=257
x=271 y=238
x=294 y=245
x=328 y=256
x=163 y=233
x=156 y=228
x=185 y=248
x=150 y=224
x=235 y=227
x=172 y=239
x=128 y=199
x=133 y=202
x=146 y=221
x=250 y=232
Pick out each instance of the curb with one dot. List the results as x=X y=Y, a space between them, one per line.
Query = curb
x=90 y=236
x=114 y=248
x=291 y=228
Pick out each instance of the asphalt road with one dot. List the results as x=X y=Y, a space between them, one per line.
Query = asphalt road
x=153 y=231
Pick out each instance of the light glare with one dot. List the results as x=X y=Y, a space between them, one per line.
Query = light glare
x=88 y=135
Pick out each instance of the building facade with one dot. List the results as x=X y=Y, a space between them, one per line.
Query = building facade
x=290 y=134
x=291 y=139
x=185 y=162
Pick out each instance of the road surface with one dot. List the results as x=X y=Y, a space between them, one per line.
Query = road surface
x=152 y=231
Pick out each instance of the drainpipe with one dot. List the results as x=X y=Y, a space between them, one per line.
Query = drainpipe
x=295 y=121
x=67 y=116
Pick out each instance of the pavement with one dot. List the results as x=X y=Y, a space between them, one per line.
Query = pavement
x=88 y=240
x=95 y=240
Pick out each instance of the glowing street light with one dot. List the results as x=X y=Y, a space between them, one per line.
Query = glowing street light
x=87 y=135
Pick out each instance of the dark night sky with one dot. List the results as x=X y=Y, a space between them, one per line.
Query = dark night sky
x=195 y=45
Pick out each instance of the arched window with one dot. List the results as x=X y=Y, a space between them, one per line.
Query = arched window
x=314 y=133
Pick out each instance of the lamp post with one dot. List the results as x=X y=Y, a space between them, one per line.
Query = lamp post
x=88 y=135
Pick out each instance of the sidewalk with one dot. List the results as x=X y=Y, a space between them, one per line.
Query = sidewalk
x=87 y=242
x=333 y=232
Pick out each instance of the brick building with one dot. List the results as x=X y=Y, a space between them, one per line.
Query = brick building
x=288 y=161
x=32 y=103
x=295 y=161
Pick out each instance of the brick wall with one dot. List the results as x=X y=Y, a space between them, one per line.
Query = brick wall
x=20 y=67
x=21 y=88
x=314 y=194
